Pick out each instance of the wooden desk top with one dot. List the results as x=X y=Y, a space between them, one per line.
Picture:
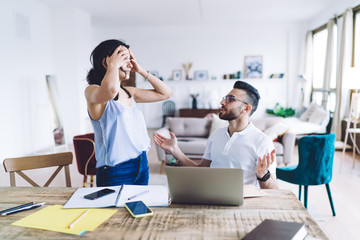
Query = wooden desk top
x=176 y=221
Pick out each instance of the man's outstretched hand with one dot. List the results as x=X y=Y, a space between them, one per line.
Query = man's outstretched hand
x=168 y=145
x=264 y=163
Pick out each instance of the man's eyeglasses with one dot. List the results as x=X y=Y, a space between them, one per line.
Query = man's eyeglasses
x=230 y=98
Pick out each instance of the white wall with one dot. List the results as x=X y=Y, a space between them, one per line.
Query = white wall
x=25 y=59
x=37 y=40
x=219 y=49
x=72 y=41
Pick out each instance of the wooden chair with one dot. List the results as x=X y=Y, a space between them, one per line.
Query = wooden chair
x=84 y=147
x=16 y=165
x=168 y=108
x=352 y=126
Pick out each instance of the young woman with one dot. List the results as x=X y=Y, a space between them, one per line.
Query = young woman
x=121 y=139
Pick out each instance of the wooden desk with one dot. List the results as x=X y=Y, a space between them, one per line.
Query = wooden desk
x=188 y=112
x=176 y=221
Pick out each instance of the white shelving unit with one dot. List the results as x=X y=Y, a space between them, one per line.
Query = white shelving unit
x=272 y=91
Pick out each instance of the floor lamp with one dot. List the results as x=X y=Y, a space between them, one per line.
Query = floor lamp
x=302 y=81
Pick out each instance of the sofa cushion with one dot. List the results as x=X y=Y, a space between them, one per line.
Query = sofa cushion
x=191 y=145
x=314 y=114
x=267 y=122
x=300 y=127
x=318 y=116
x=189 y=127
x=307 y=113
x=217 y=123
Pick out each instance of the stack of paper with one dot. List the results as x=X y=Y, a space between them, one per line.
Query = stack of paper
x=250 y=191
x=56 y=219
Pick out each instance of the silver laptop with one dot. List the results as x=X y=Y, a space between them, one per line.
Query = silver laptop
x=204 y=185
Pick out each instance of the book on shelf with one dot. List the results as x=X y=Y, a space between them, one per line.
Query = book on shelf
x=277 y=75
x=277 y=230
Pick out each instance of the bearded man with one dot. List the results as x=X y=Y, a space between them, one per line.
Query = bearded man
x=240 y=145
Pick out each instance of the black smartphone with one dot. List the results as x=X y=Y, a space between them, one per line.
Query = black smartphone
x=138 y=209
x=99 y=194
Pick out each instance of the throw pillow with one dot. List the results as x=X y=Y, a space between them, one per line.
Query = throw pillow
x=217 y=123
x=306 y=115
x=318 y=116
x=277 y=131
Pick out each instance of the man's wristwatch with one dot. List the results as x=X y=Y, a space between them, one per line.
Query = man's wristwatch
x=265 y=177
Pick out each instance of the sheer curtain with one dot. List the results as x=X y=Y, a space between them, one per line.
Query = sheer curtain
x=308 y=68
x=344 y=47
x=328 y=62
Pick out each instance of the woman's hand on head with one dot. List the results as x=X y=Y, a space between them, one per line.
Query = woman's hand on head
x=136 y=67
x=120 y=57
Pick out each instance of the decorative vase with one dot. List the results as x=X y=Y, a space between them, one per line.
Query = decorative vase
x=194 y=103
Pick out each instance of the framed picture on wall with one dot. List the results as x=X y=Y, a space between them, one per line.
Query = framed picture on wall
x=201 y=75
x=176 y=75
x=253 y=66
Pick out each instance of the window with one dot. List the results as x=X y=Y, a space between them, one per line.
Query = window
x=357 y=39
x=319 y=53
x=320 y=95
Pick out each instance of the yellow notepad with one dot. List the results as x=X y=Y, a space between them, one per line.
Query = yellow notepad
x=54 y=218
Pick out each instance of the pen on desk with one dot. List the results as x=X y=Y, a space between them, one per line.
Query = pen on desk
x=17 y=207
x=24 y=208
x=76 y=220
x=139 y=194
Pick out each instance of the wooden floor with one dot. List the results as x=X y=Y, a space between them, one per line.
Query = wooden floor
x=345 y=188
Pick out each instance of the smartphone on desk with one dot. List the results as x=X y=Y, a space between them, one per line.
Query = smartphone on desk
x=138 y=209
x=99 y=194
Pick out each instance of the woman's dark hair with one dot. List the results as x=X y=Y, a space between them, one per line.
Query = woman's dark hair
x=103 y=50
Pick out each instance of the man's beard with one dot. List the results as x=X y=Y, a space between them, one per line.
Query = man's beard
x=229 y=116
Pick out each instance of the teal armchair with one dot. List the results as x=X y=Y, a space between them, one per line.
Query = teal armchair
x=316 y=156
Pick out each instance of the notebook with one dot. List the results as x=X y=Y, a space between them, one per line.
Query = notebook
x=204 y=185
x=154 y=196
x=277 y=230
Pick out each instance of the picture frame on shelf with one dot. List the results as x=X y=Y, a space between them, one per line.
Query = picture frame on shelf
x=253 y=66
x=201 y=75
x=176 y=75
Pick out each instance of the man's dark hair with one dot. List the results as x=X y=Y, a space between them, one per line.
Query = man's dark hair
x=252 y=94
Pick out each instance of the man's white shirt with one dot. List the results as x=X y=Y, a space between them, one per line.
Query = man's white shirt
x=241 y=150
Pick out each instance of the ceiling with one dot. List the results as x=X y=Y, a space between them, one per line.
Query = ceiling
x=132 y=13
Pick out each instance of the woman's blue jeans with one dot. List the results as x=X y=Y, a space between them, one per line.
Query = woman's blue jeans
x=132 y=172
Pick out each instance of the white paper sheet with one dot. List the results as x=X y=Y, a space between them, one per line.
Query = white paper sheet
x=77 y=200
x=157 y=196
